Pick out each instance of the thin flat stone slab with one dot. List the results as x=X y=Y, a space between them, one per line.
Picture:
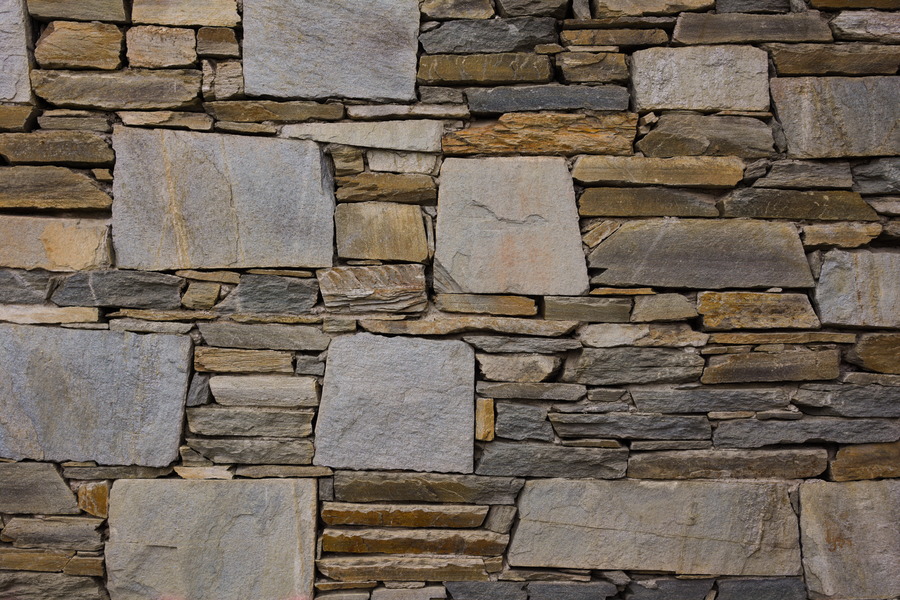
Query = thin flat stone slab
x=506 y=344
x=860 y=287
x=15 y=39
x=54 y=244
x=833 y=117
x=739 y=28
x=64 y=533
x=549 y=460
x=86 y=10
x=635 y=8
x=832 y=205
x=703 y=254
x=385 y=288
x=755 y=310
x=769 y=588
x=374 y=486
x=170 y=188
x=131 y=89
x=38 y=586
x=250 y=111
x=209 y=540
x=619 y=366
x=221 y=13
x=431 y=420
x=403 y=568
x=848 y=400
x=254 y=450
x=271 y=294
x=665 y=399
x=485 y=69
x=729 y=464
x=413 y=541
x=50 y=187
x=493 y=217
x=403 y=515
x=751 y=433
x=34 y=488
x=868 y=25
x=646 y=202
x=249 y=421
x=264 y=336
x=130 y=289
x=410 y=136
x=630 y=426
x=264 y=390
x=798 y=364
x=850 y=538
x=830 y=59
x=689 y=527
x=690 y=134
x=489 y=35
x=689 y=171
x=373 y=56
x=866 y=461
x=445 y=325
x=58 y=382
x=807 y=174
x=546 y=97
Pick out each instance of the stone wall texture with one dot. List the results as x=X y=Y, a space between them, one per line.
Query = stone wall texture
x=449 y=300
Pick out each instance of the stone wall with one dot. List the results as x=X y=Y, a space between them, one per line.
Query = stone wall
x=463 y=299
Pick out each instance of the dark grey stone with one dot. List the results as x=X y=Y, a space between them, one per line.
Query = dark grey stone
x=627 y=365
x=509 y=345
x=753 y=6
x=522 y=422
x=532 y=391
x=60 y=533
x=128 y=289
x=486 y=590
x=548 y=460
x=309 y=365
x=249 y=421
x=24 y=287
x=34 y=488
x=271 y=336
x=692 y=134
x=271 y=294
x=881 y=176
x=849 y=400
x=630 y=426
x=115 y=472
x=788 y=588
x=492 y=35
x=750 y=433
x=198 y=392
x=669 y=589
x=547 y=97
x=551 y=590
x=706 y=399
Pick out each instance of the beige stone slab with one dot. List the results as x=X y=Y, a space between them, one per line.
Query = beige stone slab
x=486 y=304
x=484 y=419
x=445 y=325
x=729 y=464
x=75 y=148
x=151 y=46
x=83 y=10
x=414 y=541
x=693 y=171
x=50 y=187
x=419 y=135
x=228 y=360
x=403 y=515
x=15 y=117
x=54 y=244
x=137 y=89
x=866 y=461
x=47 y=313
x=403 y=568
x=794 y=365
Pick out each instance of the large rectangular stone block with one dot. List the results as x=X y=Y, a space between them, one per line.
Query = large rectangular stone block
x=114 y=398
x=195 y=200
x=14 y=41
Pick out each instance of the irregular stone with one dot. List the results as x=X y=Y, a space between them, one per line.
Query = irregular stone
x=226 y=360
x=690 y=527
x=36 y=586
x=880 y=176
x=484 y=69
x=34 y=560
x=15 y=39
x=795 y=365
x=547 y=97
x=34 y=488
x=845 y=400
x=88 y=10
x=877 y=352
x=155 y=47
x=867 y=26
x=264 y=390
x=93 y=498
x=273 y=422
x=390 y=568
x=701 y=400
x=47 y=314
x=792 y=204
x=691 y=253
x=729 y=464
x=64 y=533
x=630 y=426
x=488 y=36
x=447 y=325
x=755 y=310
x=613 y=37
x=690 y=134
x=548 y=460
x=414 y=541
x=410 y=136
x=615 y=366
x=842 y=235
x=866 y=461
x=612 y=335
x=387 y=187
x=402 y=162
x=383 y=373
x=77 y=120
x=666 y=589
x=285 y=221
x=379 y=64
x=522 y=422
x=380 y=231
x=24 y=287
x=375 y=486
x=386 y=288
x=592 y=67
x=408 y=515
x=753 y=6
x=834 y=59
x=501 y=344
x=72 y=45
x=122 y=90
x=663 y=307
x=628 y=8
x=221 y=13
x=74 y=148
x=738 y=28
x=270 y=294
x=132 y=289
x=566 y=392
x=486 y=196
x=645 y=202
x=224 y=80
x=591 y=310
x=848 y=552
x=178 y=549
x=201 y=295
x=134 y=433
x=274 y=336
x=217 y=42
x=457 y=9
x=493 y=305
x=517 y=367
x=802 y=174
x=860 y=287
x=750 y=433
x=701 y=78
x=280 y=451
x=545 y=133
x=50 y=187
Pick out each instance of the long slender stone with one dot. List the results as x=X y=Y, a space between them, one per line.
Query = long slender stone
x=630 y=426
x=628 y=8
x=546 y=97
x=86 y=10
x=490 y=304
x=567 y=392
x=591 y=310
x=491 y=35
x=760 y=203
x=36 y=586
x=264 y=336
x=729 y=464
x=50 y=187
x=616 y=366
x=484 y=69
x=376 y=486
x=646 y=202
x=74 y=148
x=707 y=172
x=794 y=365
x=549 y=460
x=410 y=136
x=414 y=541
x=845 y=400
x=446 y=325
x=501 y=344
x=403 y=515
x=254 y=451
x=251 y=111
x=666 y=399
x=756 y=310
x=866 y=461
x=751 y=433
x=130 y=289
x=15 y=39
x=264 y=390
x=689 y=134
x=135 y=89
x=65 y=533
x=243 y=422
x=827 y=59
x=388 y=568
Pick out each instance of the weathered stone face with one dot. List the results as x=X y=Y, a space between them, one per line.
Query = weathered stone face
x=374 y=57
x=57 y=383
x=409 y=423
x=489 y=36
x=168 y=216
x=34 y=488
x=685 y=527
x=33 y=586
x=494 y=217
x=129 y=89
x=689 y=134
x=209 y=540
x=860 y=287
x=14 y=42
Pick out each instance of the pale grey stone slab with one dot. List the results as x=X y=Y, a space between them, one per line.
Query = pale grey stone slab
x=689 y=527
x=272 y=336
x=313 y=49
x=380 y=410
x=211 y=540
x=495 y=216
x=61 y=533
x=516 y=421
x=188 y=200
x=41 y=586
x=114 y=398
x=860 y=287
x=254 y=450
x=15 y=85
x=410 y=136
x=34 y=488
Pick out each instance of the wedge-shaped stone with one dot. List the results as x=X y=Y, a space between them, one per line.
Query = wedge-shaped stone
x=212 y=539
x=847 y=400
x=59 y=367
x=444 y=325
x=484 y=69
x=132 y=289
x=629 y=8
x=630 y=426
x=34 y=586
x=492 y=305
x=271 y=294
x=567 y=392
x=34 y=488
x=493 y=35
x=16 y=117
x=264 y=390
x=739 y=28
x=136 y=89
x=86 y=10
x=166 y=216
x=374 y=486
x=410 y=136
x=842 y=235
x=849 y=546
x=24 y=287
x=611 y=335
x=250 y=111
x=794 y=365
x=617 y=366
x=517 y=367
x=866 y=461
x=361 y=569
x=413 y=541
x=703 y=254
x=860 y=287
x=503 y=208
x=227 y=360
x=591 y=310
x=374 y=57
x=50 y=187
x=74 y=148
x=733 y=528
x=831 y=117
x=63 y=533
x=750 y=433
x=708 y=172
x=550 y=460
x=263 y=336
x=880 y=176
x=763 y=203
x=755 y=310
x=729 y=464
x=546 y=97
x=242 y=422
x=387 y=288
x=701 y=78
x=867 y=26
x=72 y=45
x=701 y=400
x=835 y=59
x=254 y=451
x=15 y=39
x=690 y=134
x=877 y=352
x=380 y=231
x=403 y=515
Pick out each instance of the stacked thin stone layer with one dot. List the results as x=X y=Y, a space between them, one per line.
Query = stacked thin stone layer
x=463 y=299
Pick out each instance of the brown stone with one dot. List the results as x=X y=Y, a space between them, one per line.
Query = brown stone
x=265 y=471
x=385 y=288
x=128 y=90
x=228 y=360
x=167 y=118
x=810 y=337
x=54 y=533
x=646 y=202
x=387 y=187
x=54 y=244
x=34 y=560
x=590 y=310
x=485 y=419
x=546 y=133
x=378 y=486
x=794 y=204
x=614 y=37
x=442 y=325
x=793 y=365
x=403 y=515
x=82 y=10
x=85 y=566
x=389 y=568
x=628 y=8
x=249 y=111
x=93 y=498
x=85 y=120
x=592 y=67
x=756 y=310
x=866 y=461
x=50 y=187
x=835 y=59
x=729 y=464
x=611 y=335
x=156 y=47
x=841 y=235
x=701 y=171
x=730 y=28
x=75 y=148
x=484 y=69
x=217 y=42
x=807 y=174
x=413 y=541
x=877 y=352
x=72 y=45
x=381 y=231
x=175 y=12
x=491 y=305
x=692 y=134
x=16 y=117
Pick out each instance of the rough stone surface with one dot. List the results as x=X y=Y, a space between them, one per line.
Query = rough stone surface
x=842 y=59
x=791 y=204
x=211 y=540
x=593 y=67
x=432 y=421
x=380 y=231
x=501 y=344
x=517 y=367
x=254 y=451
x=848 y=400
x=155 y=47
x=485 y=69
x=611 y=335
x=198 y=12
x=877 y=352
x=726 y=464
x=14 y=42
x=494 y=35
x=387 y=187
x=132 y=289
x=689 y=134
x=262 y=336
x=67 y=45
x=386 y=288
x=630 y=426
x=443 y=325
x=374 y=57
x=34 y=488
x=590 y=310
x=24 y=287
x=548 y=460
x=270 y=294
x=522 y=422
x=750 y=433
x=663 y=399
x=414 y=541
x=87 y=10
x=666 y=588
x=166 y=216
x=646 y=202
x=137 y=89
x=392 y=515
x=75 y=148
x=860 y=287
x=734 y=528
x=411 y=136
x=881 y=176
x=711 y=172
x=242 y=422
x=50 y=187
x=457 y=9
x=373 y=486
x=37 y=586
x=64 y=533
x=742 y=28
x=546 y=97
x=41 y=395
x=867 y=26
x=866 y=461
x=795 y=365
x=807 y=174
x=663 y=307
x=755 y=310
x=629 y=8
x=506 y=207
x=616 y=366
x=264 y=390
x=566 y=392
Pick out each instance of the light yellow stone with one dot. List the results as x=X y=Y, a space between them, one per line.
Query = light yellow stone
x=688 y=171
x=47 y=313
x=54 y=244
x=381 y=230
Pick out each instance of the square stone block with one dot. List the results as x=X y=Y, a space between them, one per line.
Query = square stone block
x=397 y=403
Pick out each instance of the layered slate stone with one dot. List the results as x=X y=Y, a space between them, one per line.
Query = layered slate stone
x=494 y=218
x=689 y=527
x=628 y=8
x=547 y=97
x=753 y=433
x=850 y=538
x=824 y=59
x=860 y=287
x=58 y=390
x=14 y=42
x=618 y=366
x=195 y=200
x=741 y=28
x=373 y=57
x=831 y=117
x=703 y=254
x=377 y=412
x=489 y=36
x=34 y=488
x=34 y=586
x=133 y=289
x=690 y=134
x=208 y=540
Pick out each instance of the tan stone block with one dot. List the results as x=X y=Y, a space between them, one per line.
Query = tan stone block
x=72 y=45
x=76 y=148
x=201 y=295
x=167 y=118
x=630 y=8
x=218 y=276
x=387 y=187
x=86 y=566
x=222 y=80
x=404 y=515
x=54 y=244
x=525 y=368
x=34 y=560
x=812 y=337
x=614 y=37
x=47 y=313
x=84 y=120
x=487 y=304
x=213 y=472
x=217 y=42
x=756 y=310
x=177 y=12
x=93 y=498
x=380 y=230
x=16 y=117
x=453 y=568
x=645 y=202
x=826 y=59
x=730 y=28
x=483 y=69
x=699 y=171
x=877 y=352
x=414 y=541
x=727 y=464
x=50 y=187
x=592 y=67
x=347 y=160
x=249 y=111
x=228 y=360
x=866 y=461
x=128 y=89
x=155 y=47
x=841 y=235
x=795 y=204
x=80 y=10
x=484 y=419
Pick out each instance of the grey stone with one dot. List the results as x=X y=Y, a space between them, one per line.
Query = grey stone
x=689 y=527
x=115 y=472
x=880 y=176
x=611 y=335
x=34 y=488
x=503 y=344
x=129 y=289
x=549 y=460
x=618 y=366
x=850 y=539
x=703 y=254
x=15 y=38
x=689 y=134
x=41 y=586
x=128 y=89
x=409 y=136
x=795 y=364
x=63 y=533
x=240 y=421
x=518 y=8
x=753 y=6
x=250 y=451
x=429 y=592
x=198 y=392
x=486 y=590
x=750 y=433
x=723 y=464
x=708 y=28
x=631 y=426
x=309 y=365
x=271 y=294
x=586 y=309
x=766 y=203
x=264 y=336
x=788 y=588
x=209 y=540
x=669 y=589
x=494 y=216
x=546 y=97
x=488 y=36
x=532 y=391
x=500 y=518
x=171 y=187
x=431 y=420
x=59 y=383
x=663 y=307
x=374 y=486
x=522 y=422
x=384 y=288
x=523 y=368
x=708 y=399
x=833 y=117
x=373 y=56
x=845 y=400
x=859 y=287
x=264 y=390
x=868 y=25
x=552 y=590
x=807 y=174
x=24 y=287
x=457 y=9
